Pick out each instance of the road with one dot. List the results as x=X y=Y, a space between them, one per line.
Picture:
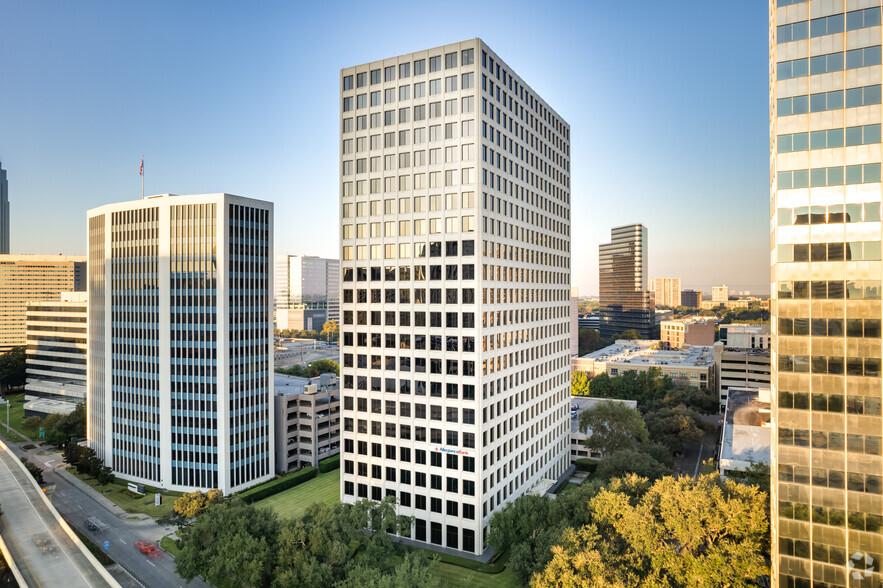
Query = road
x=76 y=503
x=42 y=550
x=303 y=353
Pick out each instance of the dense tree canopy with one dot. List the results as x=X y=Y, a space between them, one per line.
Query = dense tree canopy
x=677 y=426
x=679 y=532
x=579 y=383
x=12 y=368
x=614 y=426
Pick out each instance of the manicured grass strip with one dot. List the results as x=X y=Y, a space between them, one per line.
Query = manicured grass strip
x=119 y=495
x=16 y=418
x=170 y=545
x=292 y=503
x=99 y=553
x=456 y=576
x=278 y=485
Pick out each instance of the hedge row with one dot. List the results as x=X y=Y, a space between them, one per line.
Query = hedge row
x=328 y=464
x=586 y=465
x=279 y=484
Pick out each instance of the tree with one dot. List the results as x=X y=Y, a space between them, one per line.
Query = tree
x=84 y=456
x=71 y=453
x=629 y=334
x=758 y=474
x=106 y=476
x=631 y=462
x=32 y=424
x=322 y=366
x=329 y=329
x=679 y=532
x=94 y=465
x=12 y=368
x=677 y=426
x=193 y=503
x=232 y=543
x=414 y=570
x=579 y=383
x=35 y=470
x=612 y=426
x=590 y=340
x=700 y=399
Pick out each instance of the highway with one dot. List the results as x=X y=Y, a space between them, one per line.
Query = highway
x=76 y=502
x=41 y=548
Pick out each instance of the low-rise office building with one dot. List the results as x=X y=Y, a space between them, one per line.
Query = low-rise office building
x=692 y=366
x=740 y=368
x=56 y=354
x=745 y=336
x=745 y=439
x=692 y=330
x=578 y=404
x=307 y=426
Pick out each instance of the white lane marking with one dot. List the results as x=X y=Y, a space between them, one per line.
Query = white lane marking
x=151 y=563
x=123 y=542
x=80 y=507
x=62 y=493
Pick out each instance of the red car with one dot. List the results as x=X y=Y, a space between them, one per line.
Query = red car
x=147 y=548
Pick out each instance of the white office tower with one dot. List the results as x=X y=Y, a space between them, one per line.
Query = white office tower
x=4 y=212
x=180 y=369
x=455 y=278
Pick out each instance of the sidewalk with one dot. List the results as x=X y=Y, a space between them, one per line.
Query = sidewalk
x=99 y=498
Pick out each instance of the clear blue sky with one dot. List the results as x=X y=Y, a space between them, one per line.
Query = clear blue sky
x=667 y=103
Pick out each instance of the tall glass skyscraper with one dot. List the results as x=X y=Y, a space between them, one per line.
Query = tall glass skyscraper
x=180 y=383
x=455 y=263
x=309 y=285
x=825 y=199
x=625 y=302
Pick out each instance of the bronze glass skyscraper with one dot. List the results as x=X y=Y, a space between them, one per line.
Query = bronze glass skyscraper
x=825 y=197
x=625 y=301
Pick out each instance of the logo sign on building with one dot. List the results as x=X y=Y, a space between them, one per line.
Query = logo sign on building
x=157 y=499
x=449 y=450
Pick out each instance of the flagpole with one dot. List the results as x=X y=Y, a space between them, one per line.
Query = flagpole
x=142 y=177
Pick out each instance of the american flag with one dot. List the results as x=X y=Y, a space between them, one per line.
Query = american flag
x=141 y=169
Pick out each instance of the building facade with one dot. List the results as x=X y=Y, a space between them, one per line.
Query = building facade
x=691 y=298
x=691 y=366
x=4 y=212
x=56 y=354
x=692 y=330
x=574 y=321
x=181 y=340
x=307 y=421
x=720 y=293
x=455 y=259
x=33 y=277
x=626 y=303
x=746 y=336
x=746 y=433
x=825 y=223
x=307 y=291
x=666 y=291
x=740 y=368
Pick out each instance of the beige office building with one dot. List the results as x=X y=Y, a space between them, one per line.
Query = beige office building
x=720 y=293
x=455 y=267
x=825 y=197
x=33 y=277
x=307 y=420
x=667 y=291
x=690 y=366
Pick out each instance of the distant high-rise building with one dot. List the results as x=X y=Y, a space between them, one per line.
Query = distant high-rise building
x=720 y=293
x=455 y=334
x=4 y=212
x=307 y=291
x=33 y=277
x=691 y=298
x=574 y=321
x=180 y=383
x=825 y=226
x=667 y=291
x=56 y=354
x=626 y=303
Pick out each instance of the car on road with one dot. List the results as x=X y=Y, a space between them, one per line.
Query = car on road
x=95 y=525
x=45 y=543
x=147 y=548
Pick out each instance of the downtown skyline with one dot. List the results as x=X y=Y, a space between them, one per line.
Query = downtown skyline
x=103 y=85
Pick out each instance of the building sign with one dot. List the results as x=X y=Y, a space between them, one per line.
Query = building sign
x=448 y=450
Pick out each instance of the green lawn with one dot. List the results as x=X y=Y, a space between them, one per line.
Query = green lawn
x=142 y=504
x=293 y=502
x=169 y=545
x=455 y=576
x=16 y=416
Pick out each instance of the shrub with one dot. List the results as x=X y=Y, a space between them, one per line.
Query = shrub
x=278 y=485
x=586 y=465
x=330 y=463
